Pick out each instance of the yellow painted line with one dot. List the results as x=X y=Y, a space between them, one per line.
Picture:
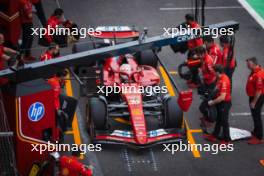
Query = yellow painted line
x=121 y=120
x=191 y=140
x=68 y=132
x=167 y=82
x=75 y=126
x=173 y=72
x=196 y=131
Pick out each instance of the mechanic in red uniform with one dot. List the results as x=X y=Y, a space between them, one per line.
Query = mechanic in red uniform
x=228 y=63
x=70 y=166
x=52 y=52
x=223 y=105
x=213 y=50
x=255 y=91
x=192 y=44
x=27 y=24
x=54 y=20
x=40 y=12
x=208 y=72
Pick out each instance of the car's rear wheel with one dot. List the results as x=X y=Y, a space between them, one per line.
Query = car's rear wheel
x=147 y=57
x=172 y=114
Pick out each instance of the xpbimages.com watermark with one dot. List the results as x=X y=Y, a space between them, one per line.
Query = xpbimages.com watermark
x=83 y=32
x=192 y=32
x=57 y=147
x=123 y=88
x=212 y=148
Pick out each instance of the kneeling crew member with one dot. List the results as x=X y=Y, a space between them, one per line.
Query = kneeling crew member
x=255 y=91
x=223 y=105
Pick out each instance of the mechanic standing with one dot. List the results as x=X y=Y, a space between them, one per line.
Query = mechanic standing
x=54 y=20
x=208 y=72
x=255 y=91
x=228 y=59
x=223 y=105
x=192 y=44
x=213 y=50
x=27 y=24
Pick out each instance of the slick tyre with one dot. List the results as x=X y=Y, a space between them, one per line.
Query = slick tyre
x=97 y=113
x=172 y=115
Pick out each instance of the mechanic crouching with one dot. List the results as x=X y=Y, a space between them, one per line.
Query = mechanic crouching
x=222 y=101
x=255 y=91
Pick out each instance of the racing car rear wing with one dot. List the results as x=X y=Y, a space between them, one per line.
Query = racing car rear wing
x=115 y=32
x=48 y=68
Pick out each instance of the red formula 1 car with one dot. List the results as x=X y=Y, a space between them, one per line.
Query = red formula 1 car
x=130 y=92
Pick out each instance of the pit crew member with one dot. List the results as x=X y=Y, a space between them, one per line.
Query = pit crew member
x=213 y=50
x=255 y=91
x=192 y=44
x=208 y=72
x=71 y=166
x=228 y=59
x=223 y=105
x=52 y=52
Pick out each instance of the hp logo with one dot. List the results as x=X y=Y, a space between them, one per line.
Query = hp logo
x=36 y=111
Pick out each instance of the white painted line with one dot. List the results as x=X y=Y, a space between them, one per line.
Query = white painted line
x=206 y=8
x=128 y=161
x=154 y=162
x=243 y=114
x=252 y=12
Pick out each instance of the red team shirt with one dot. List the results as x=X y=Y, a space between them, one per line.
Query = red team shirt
x=225 y=56
x=208 y=72
x=54 y=82
x=70 y=166
x=215 y=52
x=224 y=86
x=52 y=23
x=195 y=42
x=46 y=56
x=26 y=10
x=255 y=82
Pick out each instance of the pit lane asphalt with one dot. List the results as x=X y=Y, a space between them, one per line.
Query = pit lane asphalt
x=115 y=160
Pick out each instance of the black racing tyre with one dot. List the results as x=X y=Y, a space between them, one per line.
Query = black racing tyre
x=186 y=75
x=209 y=112
x=80 y=47
x=97 y=110
x=147 y=57
x=173 y=115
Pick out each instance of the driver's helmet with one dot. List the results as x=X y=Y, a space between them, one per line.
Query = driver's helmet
x=125 y=68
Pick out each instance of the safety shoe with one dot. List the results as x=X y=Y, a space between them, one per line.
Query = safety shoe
x=255 y=141
x=209 y=137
